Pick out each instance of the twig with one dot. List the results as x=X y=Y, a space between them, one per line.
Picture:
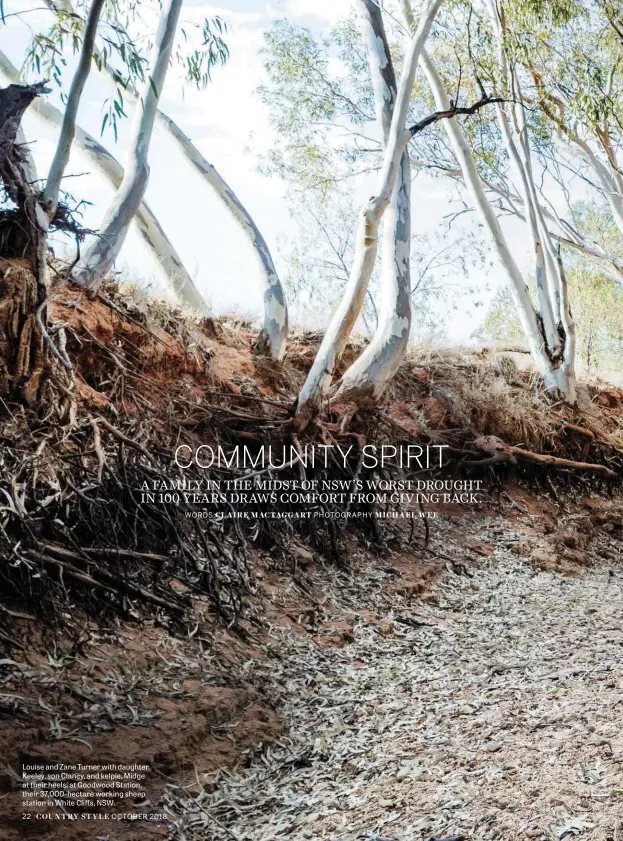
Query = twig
x=115 y=358
x=126 y=440
x=112 y=584
x=113 y=553
x=280 y=403
x=97 y=443
x=514 y=504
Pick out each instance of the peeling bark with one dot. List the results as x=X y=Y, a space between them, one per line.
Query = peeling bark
x=28 y=161
x=14 y=100
x=368 y=376
x=27 y=367
x=342 y=323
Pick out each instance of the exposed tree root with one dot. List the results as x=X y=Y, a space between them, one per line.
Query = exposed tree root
x=76 y=534
x=579 y=430
x=122 y=585
x=501 y=452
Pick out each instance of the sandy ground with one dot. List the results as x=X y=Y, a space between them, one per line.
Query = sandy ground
x=495 y=713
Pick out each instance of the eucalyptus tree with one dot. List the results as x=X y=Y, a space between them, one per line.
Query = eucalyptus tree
x=575 y=63
x=369 y=376
x=34 y=357
x=530 y=31
x=556 y=369
x=103 y=251
x=556 y=328
x=320 y=115
x=37 y=361
x=109 y=167
x=198 y=66
x=321 y=98
x=390 y=188
x=46 y=55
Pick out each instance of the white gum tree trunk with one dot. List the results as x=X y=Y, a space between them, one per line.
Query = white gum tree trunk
x=514 y=134
x=368 y=376
x=275 y=323
x=319 y=378
x=68 y=126
x=110 y=168
x=552 y=287
x=103 y=251
x=558 y=378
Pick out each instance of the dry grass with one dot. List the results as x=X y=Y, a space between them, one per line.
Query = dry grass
x=483 y=392
x=490 y=394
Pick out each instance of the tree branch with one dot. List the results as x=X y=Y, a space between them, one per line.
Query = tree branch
x=454 y=111
x=68 y=128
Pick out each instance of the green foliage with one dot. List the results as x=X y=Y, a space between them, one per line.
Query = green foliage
x=46 y=50
x=123 y=51
x=597 y=306
x=545 y=13
x=319 y=96
x=212 y=52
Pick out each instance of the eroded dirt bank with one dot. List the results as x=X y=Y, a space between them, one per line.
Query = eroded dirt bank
x=307 y=680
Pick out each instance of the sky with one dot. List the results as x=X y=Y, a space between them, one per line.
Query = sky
x=230 y=126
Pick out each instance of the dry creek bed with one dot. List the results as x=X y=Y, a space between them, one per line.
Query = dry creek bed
x=496 y=713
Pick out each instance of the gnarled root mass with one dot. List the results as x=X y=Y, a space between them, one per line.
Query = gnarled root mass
x=93 y=516
x=33 y=359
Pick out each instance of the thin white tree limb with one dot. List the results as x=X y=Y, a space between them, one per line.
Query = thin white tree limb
x=68 y=128
x=102 y=253
x=275 y=326
x=108 y=166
